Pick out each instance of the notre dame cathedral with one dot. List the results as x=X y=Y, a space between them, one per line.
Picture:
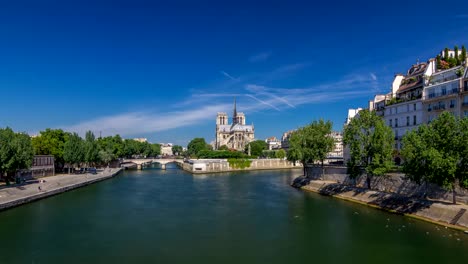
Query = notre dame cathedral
x=236 y=135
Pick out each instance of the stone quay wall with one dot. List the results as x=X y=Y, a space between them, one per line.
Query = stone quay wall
x=222 y=165
x=396 y=183
x=12 y=196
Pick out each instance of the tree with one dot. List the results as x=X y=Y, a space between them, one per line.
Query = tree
x=51 y=142
x=457 y=59
x=436 y=153
x=114 y=144
x=438 y=62
x=463 y=54
x=177 y=150
x=223 y=147
x=446 y=54
x=256 y=147
x=311 y=143
x=106 y=156
x=155 y=150
x=74 y=150
x=16 y=151
x=280 y=154
x=196 y=145
x=371 y=144
x=91 y=149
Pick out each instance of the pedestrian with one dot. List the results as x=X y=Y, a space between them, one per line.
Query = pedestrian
x=40 y=188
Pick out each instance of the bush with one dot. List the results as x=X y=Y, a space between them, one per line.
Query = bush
x=219 y=154
x=239 y=163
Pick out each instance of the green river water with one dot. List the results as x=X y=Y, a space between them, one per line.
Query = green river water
x=157 y=216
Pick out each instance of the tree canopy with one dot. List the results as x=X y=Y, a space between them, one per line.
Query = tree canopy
x=74 y=150
x=51 y=142
x=196 y=145
x=16 y=151
x=177 y=150
x=438 y=152
x=370 y=142
x=311 y=143
x=256 y=147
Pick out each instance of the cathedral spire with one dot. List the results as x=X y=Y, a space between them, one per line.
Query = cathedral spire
x=234 y=116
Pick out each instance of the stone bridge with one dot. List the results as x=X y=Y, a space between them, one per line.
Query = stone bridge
x=141 y=163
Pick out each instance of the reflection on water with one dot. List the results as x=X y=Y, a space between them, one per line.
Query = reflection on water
x=169 y=216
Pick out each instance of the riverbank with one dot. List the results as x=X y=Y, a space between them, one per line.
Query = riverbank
x=438 y=212
x=17 y=195
x=205 y=166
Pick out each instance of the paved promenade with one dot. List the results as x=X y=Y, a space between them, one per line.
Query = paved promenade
x=15 y=195
x=455 y=216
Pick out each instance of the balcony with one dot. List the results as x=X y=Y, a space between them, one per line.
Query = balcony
x=438 y=107
x=443 y=93
x=451 y=78
x=465 y=104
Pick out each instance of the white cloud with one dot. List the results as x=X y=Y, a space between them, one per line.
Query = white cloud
x=263 y=56
x=228 y=75
x=202 y=105
x=134 y=123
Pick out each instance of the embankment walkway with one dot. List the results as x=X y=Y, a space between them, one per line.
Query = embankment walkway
x=452 y=215
x=15 y=195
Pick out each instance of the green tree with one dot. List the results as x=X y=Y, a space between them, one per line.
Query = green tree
x=16 y=151
x=256 y=147
x=223 y=147
x=457 y=59
x=370 y=142
x=446 y=54
x=438 y=62
x=311 y=143
x=106 y=156
x=463 y=54
x=196 y=145
x=74 y=150
x=114 y=144
x=155 y=150
x=280 y=154
x=51 y=142
x=91 y=149
x=436 y=153
x=177 y=150
x=298 y=150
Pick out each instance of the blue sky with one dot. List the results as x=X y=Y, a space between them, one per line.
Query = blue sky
x=163 y=70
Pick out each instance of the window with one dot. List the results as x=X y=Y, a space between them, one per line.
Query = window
x=453 y=103
x=390 y=123
x=396 y=122
x=407 y=121
x=414 y=107
x=441 y=105
x=465 y=113
x=407 y=108
x=444 y=90
x=414 y=120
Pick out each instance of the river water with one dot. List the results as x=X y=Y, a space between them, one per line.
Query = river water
x=156 y=216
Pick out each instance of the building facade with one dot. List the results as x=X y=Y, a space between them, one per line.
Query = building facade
x=336 y=155
x=166 y=149
x=235 y=135
x=444 y=92
x=273 y=143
